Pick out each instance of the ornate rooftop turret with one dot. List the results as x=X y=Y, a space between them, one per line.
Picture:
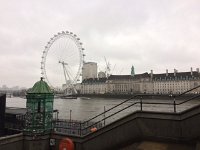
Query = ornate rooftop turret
x=132 y=71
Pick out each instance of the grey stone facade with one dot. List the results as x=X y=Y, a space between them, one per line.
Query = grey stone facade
x=164 y=83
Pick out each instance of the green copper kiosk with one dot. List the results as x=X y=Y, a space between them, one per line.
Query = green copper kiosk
x=39 y=116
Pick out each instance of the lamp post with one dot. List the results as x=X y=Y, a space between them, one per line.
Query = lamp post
x=70 y=115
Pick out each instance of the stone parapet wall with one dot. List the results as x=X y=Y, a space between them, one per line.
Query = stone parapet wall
x=12 y=142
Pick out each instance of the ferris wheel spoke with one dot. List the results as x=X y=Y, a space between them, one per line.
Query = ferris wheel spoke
x=69 y=71
x=65 y=46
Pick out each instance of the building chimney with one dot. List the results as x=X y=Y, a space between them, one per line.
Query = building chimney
x=191 y=71
x=174 y=72
x=197 y=70
x=166 y=72
x=151 y=74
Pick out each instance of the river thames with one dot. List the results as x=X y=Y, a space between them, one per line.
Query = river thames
x=85 y=108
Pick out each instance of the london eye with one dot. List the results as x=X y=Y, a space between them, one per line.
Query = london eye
x=62 y=61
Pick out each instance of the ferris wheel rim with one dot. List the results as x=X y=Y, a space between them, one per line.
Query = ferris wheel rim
x=53 y=39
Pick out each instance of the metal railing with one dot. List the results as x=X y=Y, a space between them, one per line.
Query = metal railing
x=109 y=116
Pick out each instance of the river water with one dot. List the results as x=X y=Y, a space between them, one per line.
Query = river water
x=85 y=108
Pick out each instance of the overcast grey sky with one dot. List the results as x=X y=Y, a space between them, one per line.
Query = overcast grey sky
x=149 y=34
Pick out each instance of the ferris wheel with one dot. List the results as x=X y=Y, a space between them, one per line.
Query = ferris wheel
x=62 y=60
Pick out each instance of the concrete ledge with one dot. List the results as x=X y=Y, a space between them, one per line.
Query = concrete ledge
x=11 y=138
x=12 y=142
x=151 y=145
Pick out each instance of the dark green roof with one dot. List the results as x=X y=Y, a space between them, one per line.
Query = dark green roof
x=40 y=87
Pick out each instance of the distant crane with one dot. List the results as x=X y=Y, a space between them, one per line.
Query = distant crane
x=107 y=67
x=121 y=71
x=113 y=69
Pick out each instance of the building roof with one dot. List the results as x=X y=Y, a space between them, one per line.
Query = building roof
x=90 y=63
x=94 y=80
x=162 y=76
x=40 y=87
x=128 y=77
x=143 y=75
x=19 y=111
x=16 y=111
x=177 y=75
x=120 y=77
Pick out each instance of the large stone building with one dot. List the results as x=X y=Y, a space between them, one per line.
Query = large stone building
x=93 y=86
x=89 y=70
x=164 y=83
x=176 y=82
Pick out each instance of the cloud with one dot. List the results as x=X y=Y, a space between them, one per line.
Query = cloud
x=149 y=34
